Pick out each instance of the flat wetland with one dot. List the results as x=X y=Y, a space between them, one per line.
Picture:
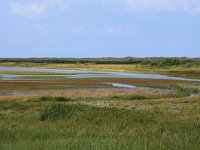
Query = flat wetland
x=51 y=110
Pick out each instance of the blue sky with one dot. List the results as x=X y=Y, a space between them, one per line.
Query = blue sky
x=99 y=28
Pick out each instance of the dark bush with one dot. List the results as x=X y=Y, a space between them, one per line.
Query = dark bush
x=54 y=99
x=56 y=112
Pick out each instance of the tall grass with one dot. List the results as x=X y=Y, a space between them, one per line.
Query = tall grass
x=56 y=112
x=192 y=88
x=81 y=127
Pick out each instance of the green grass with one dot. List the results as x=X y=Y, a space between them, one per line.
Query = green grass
x=140 y=97
x=186 y=74
x=56 y=112
x=82 y=127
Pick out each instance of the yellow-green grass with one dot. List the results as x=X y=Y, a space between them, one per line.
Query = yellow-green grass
x=150 y=124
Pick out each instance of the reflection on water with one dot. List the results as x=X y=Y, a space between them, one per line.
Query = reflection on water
x=122 y=85
x=41 y=70
x=194 y=94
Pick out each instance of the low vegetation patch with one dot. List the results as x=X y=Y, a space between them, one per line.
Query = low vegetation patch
x=178 y=94
x=56 y=112
x=52 y=99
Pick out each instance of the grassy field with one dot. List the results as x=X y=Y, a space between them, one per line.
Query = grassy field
x=66 y=113
x=140 y=124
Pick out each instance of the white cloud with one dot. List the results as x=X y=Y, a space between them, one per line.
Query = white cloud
x=80 y=29
x=38 y=9
x=58 y=4
x=113 y=30
x=146 y=6
x=197 y=9
x=32 y=9
x=40 y=27
x=122 y=29
x=156 y=5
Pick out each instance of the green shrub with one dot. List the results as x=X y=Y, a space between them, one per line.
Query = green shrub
x=45 y=98
x=62 y=99
x=136 y=97
x=168 y=62
x=53 y=99
x=56 y=112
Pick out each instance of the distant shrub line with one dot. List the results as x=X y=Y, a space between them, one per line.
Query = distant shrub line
x=157 y=62
x=174 y=62
x=61 y=61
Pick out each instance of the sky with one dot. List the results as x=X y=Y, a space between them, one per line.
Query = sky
x=99 y=28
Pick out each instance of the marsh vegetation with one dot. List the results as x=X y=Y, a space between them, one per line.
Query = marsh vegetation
x=93 y=113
